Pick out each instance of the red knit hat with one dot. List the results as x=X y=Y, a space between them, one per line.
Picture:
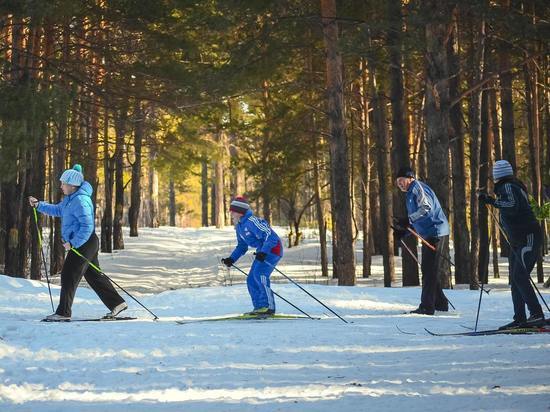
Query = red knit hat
x=239 y=205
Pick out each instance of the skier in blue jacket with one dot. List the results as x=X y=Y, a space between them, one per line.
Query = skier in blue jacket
x=427 y=218
x=76 y=211
x=255 y=232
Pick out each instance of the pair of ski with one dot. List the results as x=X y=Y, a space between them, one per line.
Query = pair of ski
x=246 y=317
x=103 y=319
x=488 y=332
x=243 y=317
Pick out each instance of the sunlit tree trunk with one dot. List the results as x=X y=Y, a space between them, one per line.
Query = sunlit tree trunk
x=345 y=264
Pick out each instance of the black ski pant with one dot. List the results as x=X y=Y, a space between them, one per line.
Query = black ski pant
x=74 y=268
x=521 y=261
x=432 y=269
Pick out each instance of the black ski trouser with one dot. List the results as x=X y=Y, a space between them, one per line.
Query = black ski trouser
x=521 y=261
x=432 y=268
x=74 y=268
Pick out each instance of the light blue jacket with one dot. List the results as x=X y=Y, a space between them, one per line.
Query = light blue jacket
x=77 y=215
x=255 y=232
x=425 y=212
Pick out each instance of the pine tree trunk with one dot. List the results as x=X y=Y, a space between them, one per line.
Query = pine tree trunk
x=507 y=113
x=24 y=223
x=57 y=252
x=486 y=144
x=204 y=192
x=365 y=172
x=320 y=213
x=461 y=236
x=152 y=215
x=12 y=188
x=345 y=264
x=384 y=175
x=375 y=207
x=506 y=100
x=533 y=127
x=400 y=132
x=437 y=108
x=497 y=148
x=135 y=198
x=37 y=189
x=120 y=129
x=37 y=176
x=108 y=172
x=172 y=202
x=477 y=53
x=316 y=138
x=219 y=210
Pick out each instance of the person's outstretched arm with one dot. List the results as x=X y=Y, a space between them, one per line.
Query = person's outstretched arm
x=50 y=209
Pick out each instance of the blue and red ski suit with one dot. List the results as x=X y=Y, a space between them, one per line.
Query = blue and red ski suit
x=253 y=231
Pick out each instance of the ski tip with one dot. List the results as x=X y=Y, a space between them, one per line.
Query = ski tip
x=403 y=331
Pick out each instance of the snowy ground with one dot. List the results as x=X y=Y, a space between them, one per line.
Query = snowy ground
x=264 y=365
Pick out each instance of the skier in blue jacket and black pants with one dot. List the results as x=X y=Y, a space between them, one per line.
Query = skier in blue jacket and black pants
x=255 y=232
x=427 y=218
x=76 y=211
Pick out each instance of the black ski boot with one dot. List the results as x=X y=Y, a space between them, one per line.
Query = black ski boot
x=514 y=324
x=535 y=321
x=422 y=311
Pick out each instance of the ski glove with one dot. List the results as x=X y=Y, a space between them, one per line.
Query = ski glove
x=401 y=223
x=228 y=262
x=260 y=256
x=486 y=199
x=399 y=233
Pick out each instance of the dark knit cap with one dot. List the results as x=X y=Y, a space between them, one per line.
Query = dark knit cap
x=405 y=172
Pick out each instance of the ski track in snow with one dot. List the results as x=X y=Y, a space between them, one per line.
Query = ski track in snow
x=267 y=366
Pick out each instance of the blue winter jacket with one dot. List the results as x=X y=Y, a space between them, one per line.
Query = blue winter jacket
x=424 y=210
x=77 y=215
x=255 y=232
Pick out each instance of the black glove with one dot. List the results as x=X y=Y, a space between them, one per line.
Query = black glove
x=260 y=256
x=228 y=262
x=485 y=199
x=399 y=233
x=401 y=223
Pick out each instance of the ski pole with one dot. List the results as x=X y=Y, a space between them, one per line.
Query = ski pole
x=98 y=270
x=291 y=280
x=410 y=251
x=43 y=256
x=405 y=246
x=481 y=290
x=516 y=256
x=276 y=294
x=416 y=260
x=433 y=248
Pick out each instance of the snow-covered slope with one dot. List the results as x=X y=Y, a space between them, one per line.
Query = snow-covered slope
x=297 y=365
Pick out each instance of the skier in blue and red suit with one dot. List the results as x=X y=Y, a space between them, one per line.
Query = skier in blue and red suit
x=253 y=231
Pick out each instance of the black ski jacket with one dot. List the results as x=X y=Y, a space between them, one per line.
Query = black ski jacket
x=516 y=214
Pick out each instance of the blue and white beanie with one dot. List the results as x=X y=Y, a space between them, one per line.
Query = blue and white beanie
x=73 y=177
x=502 y=168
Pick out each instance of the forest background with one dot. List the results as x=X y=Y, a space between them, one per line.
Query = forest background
x=308 y=108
